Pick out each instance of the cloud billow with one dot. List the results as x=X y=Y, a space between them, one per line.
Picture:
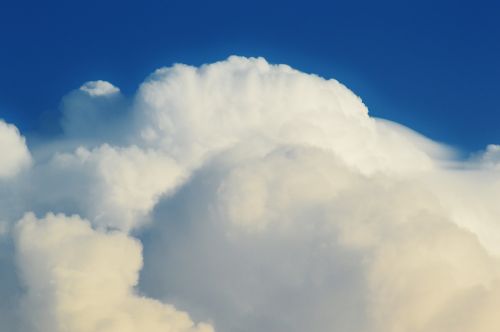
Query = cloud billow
x=244 y=196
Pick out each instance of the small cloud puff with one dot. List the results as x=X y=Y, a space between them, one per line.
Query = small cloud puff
x=99 y=88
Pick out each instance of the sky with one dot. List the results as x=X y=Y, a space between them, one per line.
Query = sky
x=431 y=65
x=341 y=172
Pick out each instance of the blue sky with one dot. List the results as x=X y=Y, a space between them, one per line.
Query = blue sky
x=431 y=65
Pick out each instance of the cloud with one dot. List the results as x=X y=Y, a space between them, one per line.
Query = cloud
x=14 y=153
x=193 y=113
x=491 y=157
x=300 y=240
x=99 y=88
x=265 y=199
x=78 y=279
x=114 y=187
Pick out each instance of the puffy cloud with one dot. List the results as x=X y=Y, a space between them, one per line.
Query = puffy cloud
x=114 y=187
x=195 y=112
x=78 y=279
x=14 y=153
x=491 y=157
x=266 y=199
x=99 y=88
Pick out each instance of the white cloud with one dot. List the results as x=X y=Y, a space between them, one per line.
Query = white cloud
x=300 y=240
x=266 y=199
x=114 y=187
x=81 y=280
x=14 y=155
x=99 y=88
x=195 y=112
x=491 y=157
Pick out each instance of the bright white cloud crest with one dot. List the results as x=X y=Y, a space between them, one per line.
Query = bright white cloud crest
x=249 y=196
x=15 y=154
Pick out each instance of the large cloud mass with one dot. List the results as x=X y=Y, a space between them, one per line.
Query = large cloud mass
x=249 y=196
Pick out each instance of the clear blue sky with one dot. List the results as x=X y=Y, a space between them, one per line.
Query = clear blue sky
x=431 y=65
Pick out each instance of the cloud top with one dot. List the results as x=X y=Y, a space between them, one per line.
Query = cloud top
x=99 y=88
x=193 y=112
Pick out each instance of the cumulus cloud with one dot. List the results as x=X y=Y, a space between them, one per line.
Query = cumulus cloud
x=193 y=113
x=114 y=187
x=491 y=157
x=265 y=199
x=81 y=280
x=301 y=241
x=14 y=153
x=99 y=88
